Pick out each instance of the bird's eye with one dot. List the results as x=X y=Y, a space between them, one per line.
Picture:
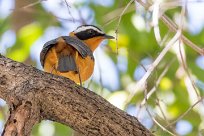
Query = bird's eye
x=90 y=32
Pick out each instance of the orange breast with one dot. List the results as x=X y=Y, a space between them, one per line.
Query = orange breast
x=85 y=65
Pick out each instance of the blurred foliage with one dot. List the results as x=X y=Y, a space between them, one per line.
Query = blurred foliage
x=136 y=43
x=20 y=51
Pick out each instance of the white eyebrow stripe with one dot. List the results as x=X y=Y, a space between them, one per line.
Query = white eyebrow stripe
x=84 y=28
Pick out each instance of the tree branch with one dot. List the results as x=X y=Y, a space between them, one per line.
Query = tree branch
x=33 y=95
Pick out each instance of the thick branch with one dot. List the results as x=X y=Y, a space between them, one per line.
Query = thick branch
x=51 y=97
x=21 y=120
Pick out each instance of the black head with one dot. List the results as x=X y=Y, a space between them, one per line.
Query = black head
x=86 y=32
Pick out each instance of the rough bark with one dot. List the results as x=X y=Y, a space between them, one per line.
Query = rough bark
x=33 y=95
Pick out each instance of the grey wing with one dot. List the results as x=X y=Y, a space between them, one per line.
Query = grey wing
x=66 y=64
x=80 y=46
x=45 y=49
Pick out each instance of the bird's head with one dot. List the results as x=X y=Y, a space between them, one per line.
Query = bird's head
x=91 y=35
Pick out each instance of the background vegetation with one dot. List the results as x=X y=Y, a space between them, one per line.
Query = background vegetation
x=169 y=101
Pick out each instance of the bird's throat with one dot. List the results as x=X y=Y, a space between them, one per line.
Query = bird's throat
x=93 y=43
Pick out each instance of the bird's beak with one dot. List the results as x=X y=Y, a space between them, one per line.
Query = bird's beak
x=108 y=37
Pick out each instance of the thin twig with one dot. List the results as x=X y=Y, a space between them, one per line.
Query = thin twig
x=33 y=4
x=117 y=27
x=164 y=116
x=175 y=3
x=155 y=20
x=82 y=20
x=69 y=12
x=165 y=38
x=151 y=116
x=158 y=81
x=141 y=82
x=183 y=60
x=162 y=112
x=115 y=14
x=185 y=113
x=173 y=27
x=185 y=67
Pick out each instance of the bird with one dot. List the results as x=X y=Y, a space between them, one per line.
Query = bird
x=72 y=56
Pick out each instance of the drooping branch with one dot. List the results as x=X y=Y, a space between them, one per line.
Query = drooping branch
x=33 y=95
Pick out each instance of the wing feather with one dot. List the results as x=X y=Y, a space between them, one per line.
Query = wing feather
x=45 y=49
